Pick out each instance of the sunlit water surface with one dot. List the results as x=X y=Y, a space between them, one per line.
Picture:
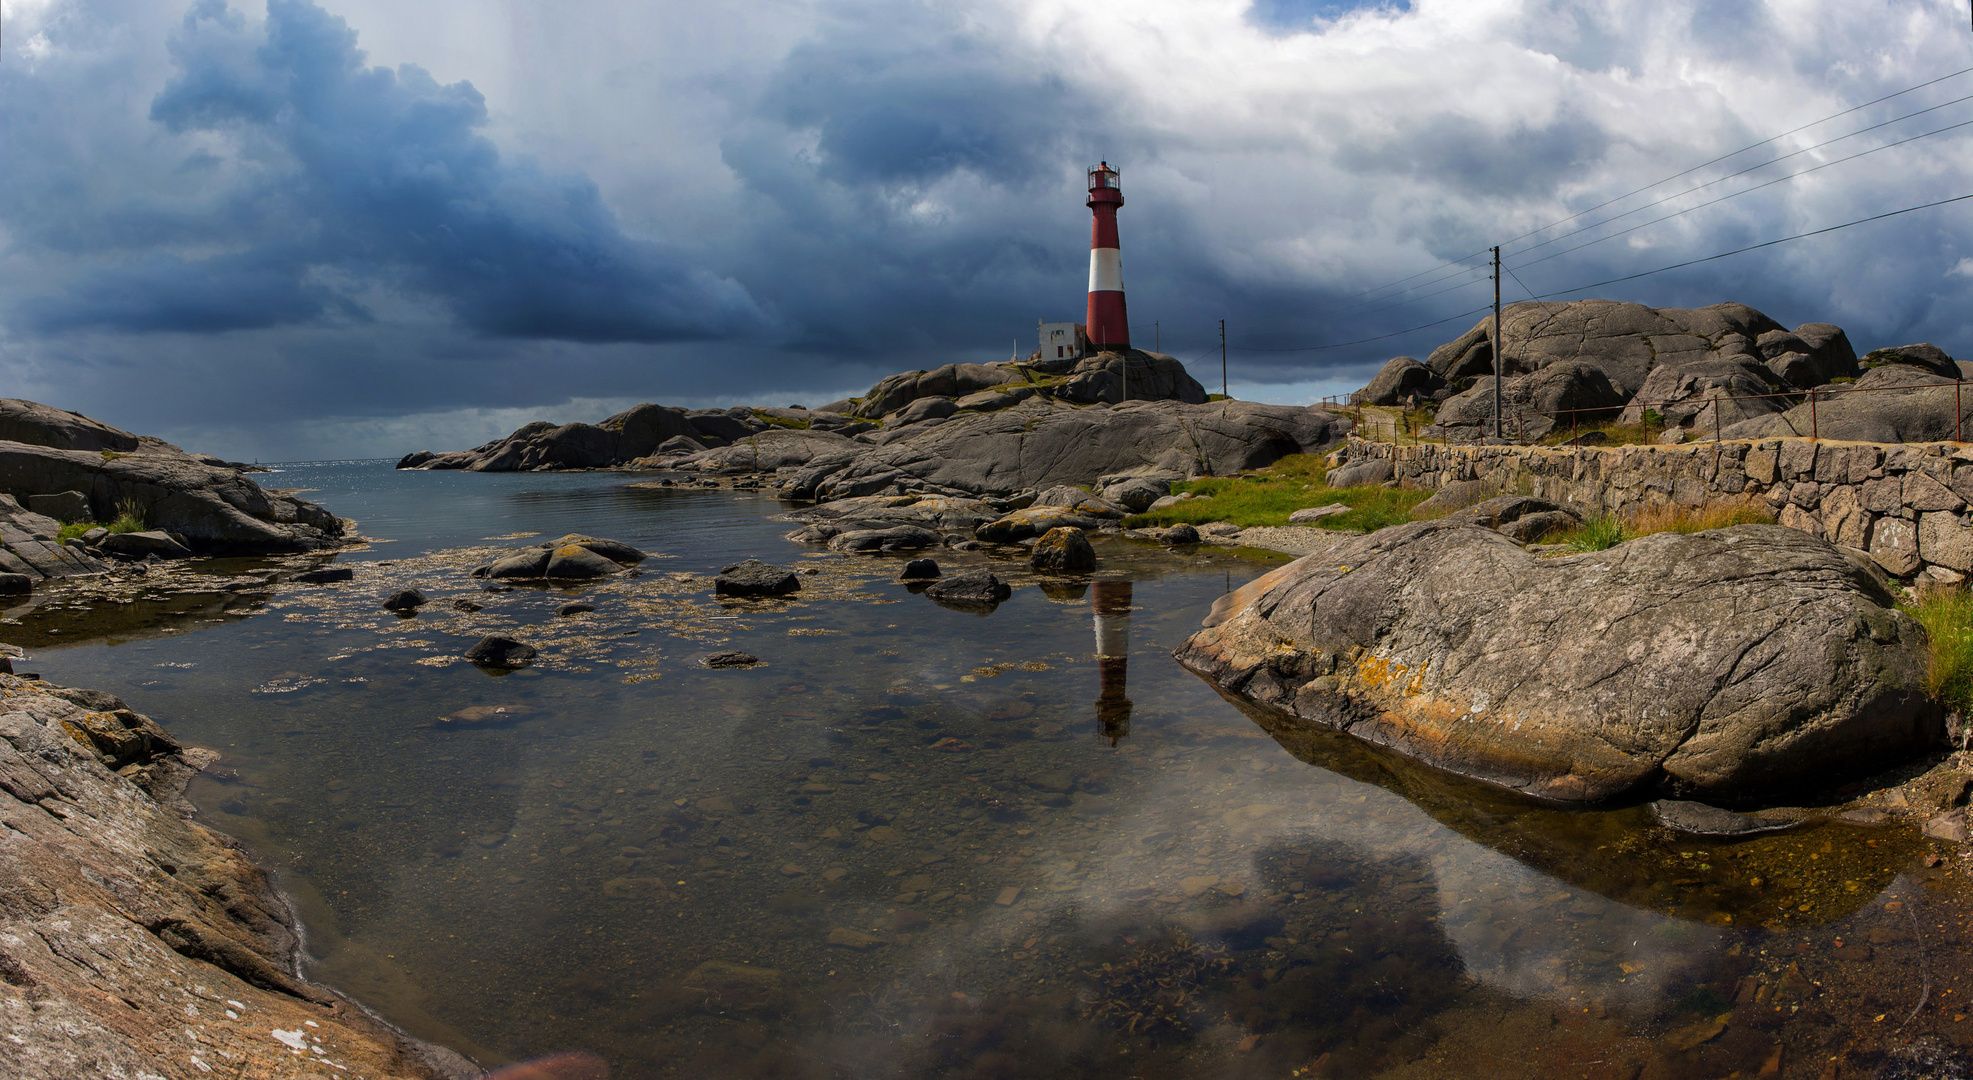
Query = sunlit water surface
x=917 y=841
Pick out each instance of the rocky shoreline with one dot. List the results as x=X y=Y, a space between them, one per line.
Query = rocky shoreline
x=963 y=431
x=135 y=941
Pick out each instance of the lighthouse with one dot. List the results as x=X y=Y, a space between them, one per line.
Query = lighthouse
x=1107 y=325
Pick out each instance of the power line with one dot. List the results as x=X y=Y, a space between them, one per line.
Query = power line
x=1756 y=247
x=1647 y=187
x=1379 y=337
x=1737 y=194
x=1756 y=168
x=1538 y=297
x=1744 y=149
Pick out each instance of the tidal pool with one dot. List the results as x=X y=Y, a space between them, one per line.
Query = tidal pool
x=916 y=841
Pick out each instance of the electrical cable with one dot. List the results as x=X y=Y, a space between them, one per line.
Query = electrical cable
x=1635 y=191
x=1363 y=341
x=1755 y=247
x=1762 y=165
x=1538 y=297
x=1737 y=194
x=1744 y=149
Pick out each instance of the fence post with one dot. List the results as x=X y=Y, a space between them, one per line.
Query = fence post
x=1955 y=411
x=1815 y=431
x=1716 y=437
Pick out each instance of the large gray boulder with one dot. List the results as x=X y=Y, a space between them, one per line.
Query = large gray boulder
x=1700 y=394
x=1401 y=378
x=1131 y=375
x=217 y=509
x=1741 y=664
x=771 y=449
x=1624 y=341
x=1532 y=405
x=1924 y=356
x=1039 y=444
x=1899 y=402
x=894 y=392
x=1809 y=355
x=36 y=424
x=634 y=433
x=885 y=511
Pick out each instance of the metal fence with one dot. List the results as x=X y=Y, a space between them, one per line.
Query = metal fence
x=1516 y=431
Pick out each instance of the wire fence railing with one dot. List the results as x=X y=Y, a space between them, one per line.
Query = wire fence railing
x=1514 y=422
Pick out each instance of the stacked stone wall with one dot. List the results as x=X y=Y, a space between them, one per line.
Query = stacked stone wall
x=1904 y=503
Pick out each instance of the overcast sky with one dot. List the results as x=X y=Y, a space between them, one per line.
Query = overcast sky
x=363 y=227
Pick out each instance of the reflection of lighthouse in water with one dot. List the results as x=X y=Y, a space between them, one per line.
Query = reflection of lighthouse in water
x=1111 y=602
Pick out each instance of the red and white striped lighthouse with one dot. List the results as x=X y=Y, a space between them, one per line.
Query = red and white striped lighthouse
x=1108 y=327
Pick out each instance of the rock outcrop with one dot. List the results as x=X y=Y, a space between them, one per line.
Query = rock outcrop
x=1735 y=665
x=1726 y=367
x=208 y=505
x=570 y=558
x=135 y=942
x=1903 y=397
x=1039 y=444
x=763 y=440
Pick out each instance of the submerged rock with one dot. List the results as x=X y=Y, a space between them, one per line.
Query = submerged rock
x=405 y=601
x=494 y=651
x=1733 y=665
x=325 y=576
x=571 y=558
x=729 y=658
x=970 y=589
x=755 y=578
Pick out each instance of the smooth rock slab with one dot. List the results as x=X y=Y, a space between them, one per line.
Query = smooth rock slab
x=1316 y=513
x=1732 y=665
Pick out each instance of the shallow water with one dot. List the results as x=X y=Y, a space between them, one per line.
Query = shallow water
x=918 y=841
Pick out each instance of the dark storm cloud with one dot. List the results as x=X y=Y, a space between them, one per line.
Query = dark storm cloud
x=382 y=176
x=920 y=180
x=216 y=223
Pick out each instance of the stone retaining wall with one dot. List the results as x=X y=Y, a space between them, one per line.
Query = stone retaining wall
x=1904 y=503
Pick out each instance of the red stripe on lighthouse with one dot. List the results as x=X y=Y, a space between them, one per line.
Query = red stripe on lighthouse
x=1107 y=323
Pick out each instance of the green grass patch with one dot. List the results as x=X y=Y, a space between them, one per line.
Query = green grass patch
x=1268 y=496
x=1606 y=531
x=75 y=529
x=781 y=421
x=1947 y=615
x=129 y=518
x=1599 y=533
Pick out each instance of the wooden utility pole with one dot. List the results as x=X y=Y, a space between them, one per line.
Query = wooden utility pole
x=1498 y=360
x=1222 y=360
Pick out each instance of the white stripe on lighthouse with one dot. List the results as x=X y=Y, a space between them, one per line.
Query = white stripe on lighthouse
x=1106 y=270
